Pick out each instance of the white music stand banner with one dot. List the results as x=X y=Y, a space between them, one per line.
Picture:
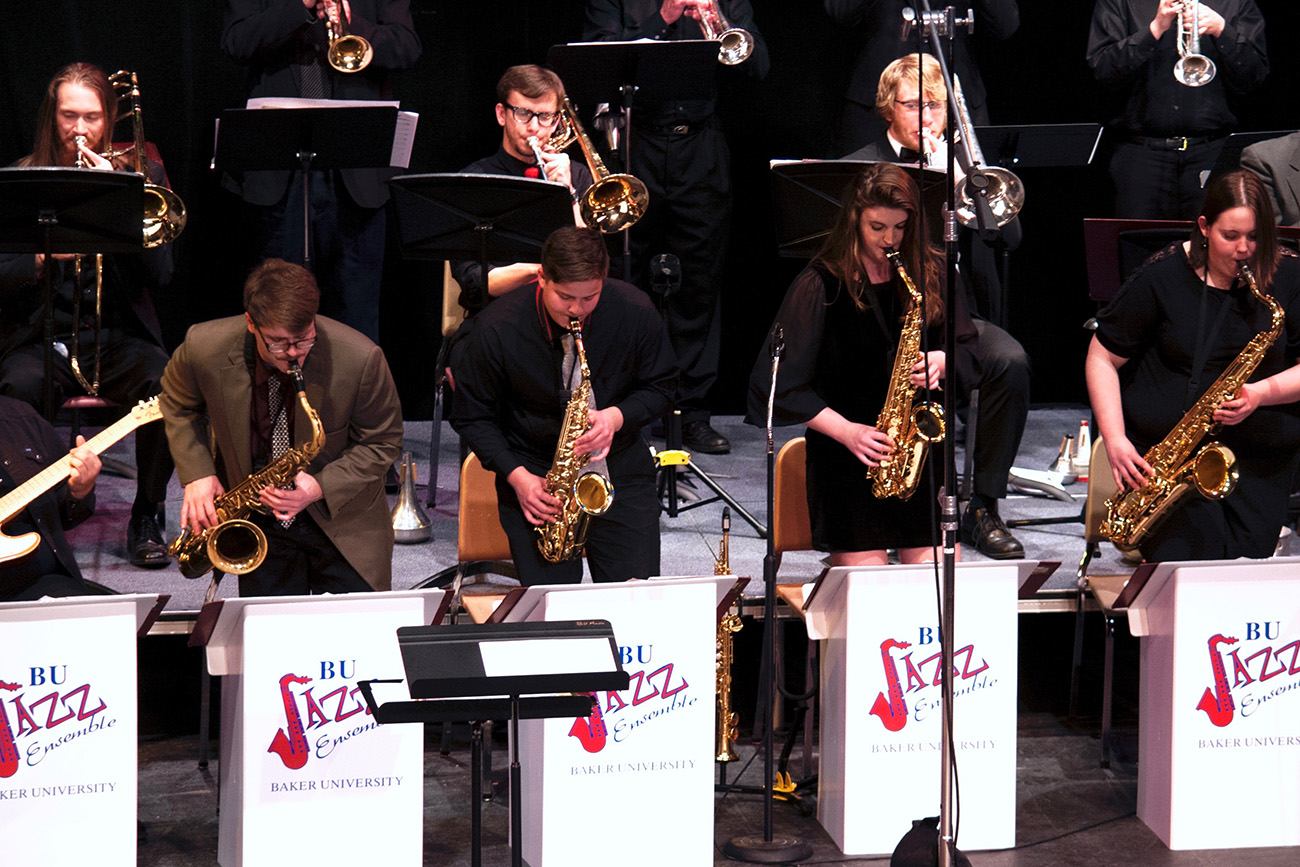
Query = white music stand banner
x=881 y=701
x=68 y=727
x=638 y=780
x=1219 y=693
x=300 y=751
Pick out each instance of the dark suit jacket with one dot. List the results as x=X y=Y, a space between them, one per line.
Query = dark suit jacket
x=877 y=151
x=1277 y=162
x=260 y=34
x=28 y=444
x=350 y=387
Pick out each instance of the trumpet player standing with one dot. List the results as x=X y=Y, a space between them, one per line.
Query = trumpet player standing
x=1180 y=62
x=80 y=104
x=511 y=401
x=332 y=531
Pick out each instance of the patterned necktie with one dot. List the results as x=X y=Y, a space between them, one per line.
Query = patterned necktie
x=279 y=427
x=314 y=83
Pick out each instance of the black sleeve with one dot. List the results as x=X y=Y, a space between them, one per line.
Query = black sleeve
x=802 y=318
x=1115 y=54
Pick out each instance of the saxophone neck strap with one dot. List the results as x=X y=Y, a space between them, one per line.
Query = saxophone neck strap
x=1204 y=341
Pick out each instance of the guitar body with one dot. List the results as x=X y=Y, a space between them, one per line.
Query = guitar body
x=13 y=547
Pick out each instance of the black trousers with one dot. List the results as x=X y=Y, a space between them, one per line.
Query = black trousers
x=688 y=176
x=130 y=371
x=1003 y=409
x=1158 y=183
x=623 y=543
x=300 y=561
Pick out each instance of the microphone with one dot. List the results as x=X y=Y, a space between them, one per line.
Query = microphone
x=778 y=341
x=665 y=274
x=913 y=19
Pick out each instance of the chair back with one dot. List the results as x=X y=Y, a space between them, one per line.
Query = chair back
x=1101 y=485
x=791 y=529
x=479 y=535
x=452 y=313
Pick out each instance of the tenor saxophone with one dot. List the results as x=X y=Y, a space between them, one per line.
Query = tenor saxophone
x=911 y=425
x=1176 y=465
x=582 y=492
x=237 y=545
x=727 y=719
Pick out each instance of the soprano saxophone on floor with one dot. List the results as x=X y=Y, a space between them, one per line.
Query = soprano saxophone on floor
x=911 y=425
x=582 y=492
x=725 y=740
x=237 y=545
x=1132 y=514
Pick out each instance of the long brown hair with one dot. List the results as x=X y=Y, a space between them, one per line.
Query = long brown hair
x=1240 y=189
x=47 y=150
x=884 y=185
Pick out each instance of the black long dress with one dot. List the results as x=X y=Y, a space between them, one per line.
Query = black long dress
x=838 y=356
x=1154 y=322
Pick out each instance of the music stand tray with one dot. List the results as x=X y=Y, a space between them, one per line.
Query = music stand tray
x=475 y=672
x=1046 y=145
x=270 y=139
x=595 y=72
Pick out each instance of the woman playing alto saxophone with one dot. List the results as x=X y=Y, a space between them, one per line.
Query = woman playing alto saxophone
x=1179 y=322
x=842 y=320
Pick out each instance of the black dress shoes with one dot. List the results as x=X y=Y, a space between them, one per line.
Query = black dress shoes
x=699 y=436
x=144 y=543
x=990 y=536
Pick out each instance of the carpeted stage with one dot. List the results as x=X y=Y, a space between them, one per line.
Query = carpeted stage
x=1070 y=810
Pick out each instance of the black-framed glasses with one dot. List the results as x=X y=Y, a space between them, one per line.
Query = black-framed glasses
x=524 y=115
x=281 y=347
x=914 y=105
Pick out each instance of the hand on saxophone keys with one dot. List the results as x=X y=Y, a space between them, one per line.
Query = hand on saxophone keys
x=596 y=441
x=1239 y=408
x=1127 y=466
x=928 y=370
x=197 y=510
x=285 y=504
x=530 y=489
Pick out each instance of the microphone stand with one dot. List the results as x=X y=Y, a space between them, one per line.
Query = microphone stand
x=769 y=849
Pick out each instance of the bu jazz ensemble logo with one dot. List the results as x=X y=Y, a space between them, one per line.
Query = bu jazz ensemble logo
x=44 y=715
x=324 y=721
x=1257 y=660
x=656 y=689
x=915 y=692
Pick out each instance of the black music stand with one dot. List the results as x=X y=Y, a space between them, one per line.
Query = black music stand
x=1230 y=156
x=1044 y=145
x=452 y=679
x=64 y=210
x=622 y=73
x=305 y=140
x=488 y=218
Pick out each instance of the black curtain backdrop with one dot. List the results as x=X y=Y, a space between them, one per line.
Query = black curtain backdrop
x=1039 y=76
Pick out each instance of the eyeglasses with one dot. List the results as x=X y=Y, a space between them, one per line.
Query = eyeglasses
x=914 y=105
x=281 y=347
x=524 y=115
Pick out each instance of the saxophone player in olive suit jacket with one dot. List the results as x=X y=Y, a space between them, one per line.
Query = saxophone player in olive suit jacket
x=1277 y=162
x=342 y=535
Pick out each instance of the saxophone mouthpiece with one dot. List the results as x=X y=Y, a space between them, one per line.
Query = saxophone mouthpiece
x=295 y=373
x=726 y=519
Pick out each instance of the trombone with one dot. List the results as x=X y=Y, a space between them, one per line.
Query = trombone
x=999 y=187
x=164 y=212
x=347 y=52
x=613 y=202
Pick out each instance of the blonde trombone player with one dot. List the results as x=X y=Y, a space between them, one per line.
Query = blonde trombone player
x=80 y=102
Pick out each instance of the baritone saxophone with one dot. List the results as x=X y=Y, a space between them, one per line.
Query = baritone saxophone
x=582 y=491
x=912 y=426
x=1176 y=465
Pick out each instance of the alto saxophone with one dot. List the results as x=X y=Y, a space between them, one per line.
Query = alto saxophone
x=237 y=545
x=582 y=492
x=1133 y=513
x=730 y=624
x=911 y=425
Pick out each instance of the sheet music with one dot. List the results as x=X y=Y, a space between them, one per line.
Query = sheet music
x=403 y=135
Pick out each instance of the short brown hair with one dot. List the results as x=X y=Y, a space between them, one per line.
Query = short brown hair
x=530 y=81
x=1240 y=189
x=282 y=295
x=575 y=254
x=932 y=89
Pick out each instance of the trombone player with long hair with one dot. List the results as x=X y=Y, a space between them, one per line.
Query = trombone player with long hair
x=75 y=125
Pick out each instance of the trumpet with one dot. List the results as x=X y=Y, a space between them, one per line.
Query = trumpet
x=734 y=44
x=347 y=52
x=1193 y=68
x=613 y=202
x=164 y=212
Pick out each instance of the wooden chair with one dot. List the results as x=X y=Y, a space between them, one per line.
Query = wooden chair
x=1104 y=590
x=452 y=317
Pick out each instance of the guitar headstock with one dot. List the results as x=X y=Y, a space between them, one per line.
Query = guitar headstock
x=147 y=410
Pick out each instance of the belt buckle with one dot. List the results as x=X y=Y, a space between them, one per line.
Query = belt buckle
x=1182 y=143
x=680 y=129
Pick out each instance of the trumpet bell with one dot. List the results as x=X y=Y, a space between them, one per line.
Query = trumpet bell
x=735 y=46
x=350 y=53
x=1006 y=196
x=1194 y=70
x=614 y=203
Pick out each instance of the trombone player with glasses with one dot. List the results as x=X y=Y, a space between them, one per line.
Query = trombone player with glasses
x=1177 y=112
x=75 y=126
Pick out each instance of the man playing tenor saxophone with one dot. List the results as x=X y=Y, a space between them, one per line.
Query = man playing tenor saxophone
x=511 y=400
x=331 y=532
